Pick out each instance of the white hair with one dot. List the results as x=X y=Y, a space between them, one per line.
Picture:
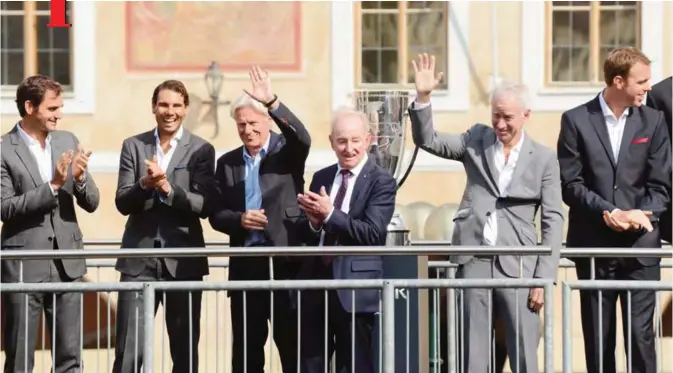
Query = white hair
x=245 y=100
x=344 y=112
x=518 y=91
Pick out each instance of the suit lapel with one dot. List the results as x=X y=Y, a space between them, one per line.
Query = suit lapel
x=56 y=151
x=525 y=157
x=179 y=153
x=632 y=126
x=238 y=174
x=361 y=183
x=26 y=156
x=598 y=122
x=489 y=154
x=150 y=148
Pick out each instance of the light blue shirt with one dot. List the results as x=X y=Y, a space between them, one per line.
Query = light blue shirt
x=253 y=191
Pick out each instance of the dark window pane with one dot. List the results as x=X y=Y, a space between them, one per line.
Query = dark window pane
x=11 y=5
x=426 y=29
x=580 y=64
x=52 y=38
x=621 y=3
x=62 y=68
x=379 y=5
x=370 y=66
x=580 y=24
x=45 y=64
x=371 y=34
x=574 y=4
x=389 y=66
x=561 y=28
x=560 y=64
x=12 y=32
x=12 y=68
x=388 y=24
x=426 y=4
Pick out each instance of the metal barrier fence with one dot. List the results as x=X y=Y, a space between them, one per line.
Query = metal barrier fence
x=389 y=287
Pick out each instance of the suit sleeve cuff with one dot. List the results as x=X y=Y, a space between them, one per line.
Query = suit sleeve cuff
x=418 y=106
x=168 y=199
x=313 y=229
x=329 y=215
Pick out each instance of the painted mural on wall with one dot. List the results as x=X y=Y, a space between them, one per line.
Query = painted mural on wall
x=187 y=35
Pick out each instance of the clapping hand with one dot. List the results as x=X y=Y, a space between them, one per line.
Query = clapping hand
x=425 y=78
x=80 y=163
x=317 y=206
x=61 y=170
x=155 y=176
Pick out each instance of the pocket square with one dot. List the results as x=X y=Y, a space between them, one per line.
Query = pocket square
x=180 y=167
x=641 y=140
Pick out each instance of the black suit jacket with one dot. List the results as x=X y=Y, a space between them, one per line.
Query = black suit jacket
x=594 y=182
x=661 y=98
x=190 y=173
x=371 y=208
x=281 y=177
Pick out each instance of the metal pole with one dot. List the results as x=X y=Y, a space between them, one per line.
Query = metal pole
x=567 y=331
x=549 y=328
x=148 y=328
x=388 y=315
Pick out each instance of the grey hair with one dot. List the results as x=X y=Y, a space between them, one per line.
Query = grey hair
x=518 y=91
x=245 y=100
x=344 y=112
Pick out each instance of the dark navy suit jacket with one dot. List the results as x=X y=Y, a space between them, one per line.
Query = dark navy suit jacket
x=371 y=208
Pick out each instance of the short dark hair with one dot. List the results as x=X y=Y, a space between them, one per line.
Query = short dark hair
x=33 y=89
x=620 y=61
x=171 y=85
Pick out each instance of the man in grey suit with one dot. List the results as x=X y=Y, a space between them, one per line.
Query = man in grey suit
x=509 y=176
x=165 y=187
x=43 y=170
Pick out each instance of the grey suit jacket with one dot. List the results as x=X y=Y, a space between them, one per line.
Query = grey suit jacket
x=176 y=221
x=535 y=184
x=32 y=216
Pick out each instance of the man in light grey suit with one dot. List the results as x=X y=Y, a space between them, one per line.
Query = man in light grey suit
x=165 y=187
x=43 y=171
x=509 y=176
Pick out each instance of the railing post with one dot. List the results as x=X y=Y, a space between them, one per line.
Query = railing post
x=148 y=328
x=549 y=327
x=388 y=332
x=567 y=328
x=452 y=320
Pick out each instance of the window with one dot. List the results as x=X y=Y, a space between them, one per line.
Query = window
x=29 y=47
x=582 y=33
x=392 y=33
x=563 y=45
x=373 y=43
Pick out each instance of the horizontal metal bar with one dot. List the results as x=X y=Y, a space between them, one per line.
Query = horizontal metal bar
x=271 y=251
x=271 y=285
x=620 y=285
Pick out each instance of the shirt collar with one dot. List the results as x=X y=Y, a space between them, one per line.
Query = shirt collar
x=355 y=171
x=607 y=112
x=176 y=138
x=517 y=148
x=262 y=152
x=29 y=140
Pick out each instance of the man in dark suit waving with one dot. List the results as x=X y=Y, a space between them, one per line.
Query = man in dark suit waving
x=349 y=203
x=661 y=98
x=165 y=187
x=257 y=206
x=615 y=159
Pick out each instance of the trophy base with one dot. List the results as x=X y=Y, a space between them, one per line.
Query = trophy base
x=411 y=305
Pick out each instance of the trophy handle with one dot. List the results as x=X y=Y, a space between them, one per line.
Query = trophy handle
x=408 y=171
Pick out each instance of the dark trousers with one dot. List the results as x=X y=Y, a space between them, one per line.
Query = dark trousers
x=641 y=314
x=182 y=310
x=338 y=332
x=666 y=225
x=21 y=318
x=250 y=318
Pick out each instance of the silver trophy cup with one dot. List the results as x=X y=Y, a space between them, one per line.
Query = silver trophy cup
x=387 y=113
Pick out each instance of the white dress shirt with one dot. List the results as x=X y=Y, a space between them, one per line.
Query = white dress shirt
x=614 y=125
x=164 y=159
x=42 y=155
x=345 y=206
x=505 y=169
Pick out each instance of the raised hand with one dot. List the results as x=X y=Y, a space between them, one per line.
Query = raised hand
x=80 y=162
x=261 y=85
x=424 y=75
x=154 y=176
x=61 y=170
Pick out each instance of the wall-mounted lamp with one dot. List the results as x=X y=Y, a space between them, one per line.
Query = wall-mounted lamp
x=214 y=79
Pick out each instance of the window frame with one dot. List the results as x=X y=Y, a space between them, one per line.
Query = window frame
x=595 y=74
x=80 y=96
x=552 y=98
x=344 y=41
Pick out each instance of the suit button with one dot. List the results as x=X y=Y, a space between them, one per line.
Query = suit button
x=488 y=213
x=616 y=187
x=50 y=238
